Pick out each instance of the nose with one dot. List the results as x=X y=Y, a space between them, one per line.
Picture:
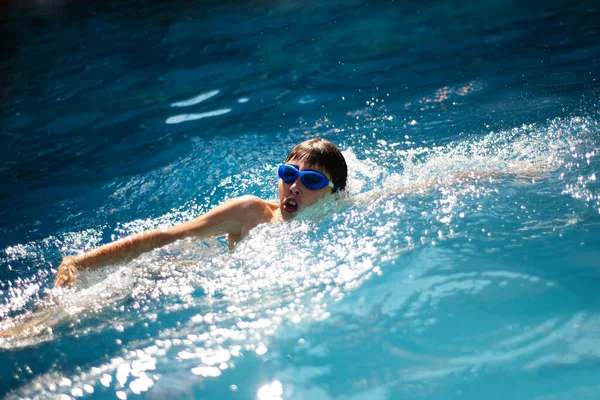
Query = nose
x=295 y=187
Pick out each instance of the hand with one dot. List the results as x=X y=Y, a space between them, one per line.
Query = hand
x=67 y=273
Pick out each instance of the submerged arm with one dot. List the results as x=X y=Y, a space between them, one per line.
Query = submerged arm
x=524 y=172
x=227 y=218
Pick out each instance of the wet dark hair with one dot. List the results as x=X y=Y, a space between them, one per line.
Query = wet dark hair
x=324 y=155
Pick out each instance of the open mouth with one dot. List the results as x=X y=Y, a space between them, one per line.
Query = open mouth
x=290 y=205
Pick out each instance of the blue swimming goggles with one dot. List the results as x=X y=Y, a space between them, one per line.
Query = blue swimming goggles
x=311 y=179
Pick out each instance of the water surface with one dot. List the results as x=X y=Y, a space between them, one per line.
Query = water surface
x=462 y=262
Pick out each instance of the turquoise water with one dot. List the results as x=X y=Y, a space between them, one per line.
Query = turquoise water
x=464 y=261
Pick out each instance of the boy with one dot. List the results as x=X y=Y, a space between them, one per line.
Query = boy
x=312 y=170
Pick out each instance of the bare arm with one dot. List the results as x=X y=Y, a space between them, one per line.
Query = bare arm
x=228 y=218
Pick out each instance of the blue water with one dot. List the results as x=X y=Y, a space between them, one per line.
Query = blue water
x=463 y=263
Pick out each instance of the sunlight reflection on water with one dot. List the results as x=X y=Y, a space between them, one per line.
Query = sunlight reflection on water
x=196 y=307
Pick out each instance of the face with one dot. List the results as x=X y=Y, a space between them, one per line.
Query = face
x=294 y=197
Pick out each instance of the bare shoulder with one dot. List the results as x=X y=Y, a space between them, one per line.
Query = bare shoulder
x=252 y=211
x=250 y=203
x=250 y=199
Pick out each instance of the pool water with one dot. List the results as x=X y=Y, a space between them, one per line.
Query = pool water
x=462 y=262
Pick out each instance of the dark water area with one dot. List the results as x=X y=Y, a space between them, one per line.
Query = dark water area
x=117 y=116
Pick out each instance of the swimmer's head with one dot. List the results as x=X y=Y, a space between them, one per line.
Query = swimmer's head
x=323 y=154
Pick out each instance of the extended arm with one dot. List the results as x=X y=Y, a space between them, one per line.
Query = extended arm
x=227 y=218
